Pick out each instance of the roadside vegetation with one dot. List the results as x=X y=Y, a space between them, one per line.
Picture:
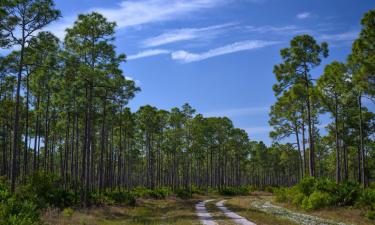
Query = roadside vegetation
x=313 y=194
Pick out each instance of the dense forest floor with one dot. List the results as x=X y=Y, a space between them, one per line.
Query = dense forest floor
x=259 y=208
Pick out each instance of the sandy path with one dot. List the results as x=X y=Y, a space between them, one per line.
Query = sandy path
x=235 y=217
x=204 y=216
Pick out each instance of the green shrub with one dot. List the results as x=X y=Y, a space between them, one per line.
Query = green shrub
x=183 y=193
x=367 y=198
x=346 y=193
x=13 y=211
x=281 y=195
x=298 y=198
x=160 y=193
x=316 y=200
x=197 y=190
x=370 y=215
x=270 y=189
x=325 y=185
x=119 y=197
x=306 y=186
x=62 y=198
x=68 y=212
x=140 y=192
x=232 y=191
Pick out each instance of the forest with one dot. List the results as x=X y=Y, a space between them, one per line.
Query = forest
x=68 y=137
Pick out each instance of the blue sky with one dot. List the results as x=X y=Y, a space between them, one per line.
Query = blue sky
x=217 y=55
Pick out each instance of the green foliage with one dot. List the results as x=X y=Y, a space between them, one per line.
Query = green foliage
x=316 y=200
x=281 y=195
x=346 y=193
x=14 y=210
x=367 y=198
x=68 y=212
x=325 y=185
x=306 y=186
x=183 y=193
x=120 y=197
x=233 y=191
x=370 y=215
x=311 y=194
x=160 y=193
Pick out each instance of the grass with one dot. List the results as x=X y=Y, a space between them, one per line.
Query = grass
x=349 y=215
x=182 y=212
x=169 y=211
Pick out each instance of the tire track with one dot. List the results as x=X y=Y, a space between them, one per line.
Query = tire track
x=235 y=217
x=204 y=216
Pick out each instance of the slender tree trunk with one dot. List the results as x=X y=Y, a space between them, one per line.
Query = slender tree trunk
x=299 y=150
x=46 y=133
x=102 y=148
x=26 y=150
x=362 y=150
x=36 y=134
x=14 y=172
x=310 y=127
x=338 y=161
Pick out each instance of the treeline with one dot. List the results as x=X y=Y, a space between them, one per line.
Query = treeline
x=63 y=111
x=347 y=151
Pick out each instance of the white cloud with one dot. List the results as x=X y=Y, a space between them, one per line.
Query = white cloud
x=148 y=53
x=188 y=57
x=258 y=130
x=346 y=36
x=238 y=112
x=133 y=13
x=185 y=34
x=280 y=30
x=266 y=29
x=303 y=15
x=139 y=12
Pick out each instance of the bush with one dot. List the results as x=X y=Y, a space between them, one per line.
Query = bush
x=68 y=212
x=13 y=211
x=140 y=192
x=197 y=190
x=370 y=215
x=316 y=200
x=160 y=193
x=62 y=198
x=281 y=195
x=183 y=193
x=346 y=193
x=270 y=189
x=232 y=191
x=325 y=185
x=367 y=198
x=298 y=198
x=119 y=197
x=306 y=186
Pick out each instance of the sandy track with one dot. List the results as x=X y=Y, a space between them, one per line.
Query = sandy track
x=204 y=216
x=235 y=217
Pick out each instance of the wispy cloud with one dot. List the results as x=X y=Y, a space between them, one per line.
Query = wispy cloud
x=187 y=57
x=148 y=53
x=133 y=13
x=238 y=112
x=303 y=15
x=280 y=30
x=346 y=36
x=141 y=12
x=185 y=34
